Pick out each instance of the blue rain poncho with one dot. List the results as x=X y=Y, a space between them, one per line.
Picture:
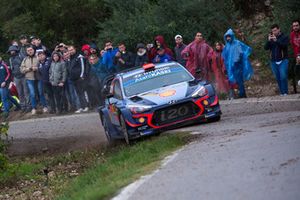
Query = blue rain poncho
x=236 y=57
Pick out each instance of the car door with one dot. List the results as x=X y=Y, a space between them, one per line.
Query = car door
x=115 y=102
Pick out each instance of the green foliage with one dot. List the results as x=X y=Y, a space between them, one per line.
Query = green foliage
x=285 y=12
x=71 y=21
x=3 y=157
x=22 y=170
x=121 y=167
x=136 y=21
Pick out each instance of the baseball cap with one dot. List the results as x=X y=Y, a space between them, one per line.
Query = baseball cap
x=178 y=36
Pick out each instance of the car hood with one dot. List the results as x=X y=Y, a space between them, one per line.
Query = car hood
x=163 y=95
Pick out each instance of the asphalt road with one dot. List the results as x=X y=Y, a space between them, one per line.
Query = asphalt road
x=56 y=134
x=78 y=132
x=246 y=157
x=252 y=153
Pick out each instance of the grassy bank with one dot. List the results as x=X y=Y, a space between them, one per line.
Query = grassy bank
x=95 y=174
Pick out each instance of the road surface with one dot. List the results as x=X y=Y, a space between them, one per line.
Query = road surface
x=249 y=157
x=77 y=132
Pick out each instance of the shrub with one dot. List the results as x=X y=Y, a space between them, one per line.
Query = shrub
x=3 y=146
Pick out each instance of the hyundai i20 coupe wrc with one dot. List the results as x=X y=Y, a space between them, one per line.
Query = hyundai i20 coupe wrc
x=153 y=98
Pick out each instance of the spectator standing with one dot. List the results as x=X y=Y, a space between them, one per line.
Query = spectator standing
x=219 y=69
x=85 y=49
x=162 y=56
x=5 y=79
x=78 y=72
x=198 y=55
x=278 y=45
x=70 y=86
x=96 y=75
x=178 y=49
x=236 y=58
x=23 y=44
x=123 y=59
x=44 y=66
x=40 y=47
x=58 y=76
x=108 y=57
x=159 y=41
x=29 y=67
x=295 y=42
x=141 y=57
x=94 y=50
x=15 y=61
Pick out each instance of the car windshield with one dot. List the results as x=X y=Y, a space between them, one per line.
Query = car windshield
x=149 y=80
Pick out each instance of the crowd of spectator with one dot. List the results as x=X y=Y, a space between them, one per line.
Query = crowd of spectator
x=67 y=79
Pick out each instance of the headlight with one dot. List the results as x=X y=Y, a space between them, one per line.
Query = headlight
x=137 y=108
x=199 y=92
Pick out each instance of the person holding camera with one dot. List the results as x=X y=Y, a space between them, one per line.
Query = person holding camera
x=277 y=44
x=123 y=58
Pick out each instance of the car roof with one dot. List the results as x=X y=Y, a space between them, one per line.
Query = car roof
x=139 y=70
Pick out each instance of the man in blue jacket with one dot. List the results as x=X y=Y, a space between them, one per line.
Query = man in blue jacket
x=278 y=45
x=5 y=79
x=108 y=57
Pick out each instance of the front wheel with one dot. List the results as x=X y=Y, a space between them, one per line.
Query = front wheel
x=215 y=119
x=124 y=130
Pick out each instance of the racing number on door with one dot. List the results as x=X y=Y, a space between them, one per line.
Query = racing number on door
x=174 y=113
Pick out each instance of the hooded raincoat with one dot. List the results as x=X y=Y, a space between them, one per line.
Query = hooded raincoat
x=236 y=58
x=219 y=70
x=153 y=52
x=198 y=56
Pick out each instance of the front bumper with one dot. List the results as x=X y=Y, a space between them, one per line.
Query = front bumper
x=208 y=108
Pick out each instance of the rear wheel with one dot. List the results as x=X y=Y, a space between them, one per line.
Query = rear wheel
x=124 y=130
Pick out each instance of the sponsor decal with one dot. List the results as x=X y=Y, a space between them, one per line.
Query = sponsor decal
x=151 y=74
x=167 y=93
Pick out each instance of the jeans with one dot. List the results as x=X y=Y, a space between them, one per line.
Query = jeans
x=58 y=94
x=6 y=97
x=238 y=76
x=49 y=91
x=72 y=95
x=280 y=72
x=94 y=91
x=22 y=91
x=31 y=87
x=81 y=87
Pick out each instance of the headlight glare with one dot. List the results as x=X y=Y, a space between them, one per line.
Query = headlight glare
x=136 y=108
x=199 y=92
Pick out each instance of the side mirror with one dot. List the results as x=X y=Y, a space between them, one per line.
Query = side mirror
x=112 y=100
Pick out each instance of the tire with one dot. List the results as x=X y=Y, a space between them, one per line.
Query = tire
x=124 y=130
x=215 y=119
x=110 y=140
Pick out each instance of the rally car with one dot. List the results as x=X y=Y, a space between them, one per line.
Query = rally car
x=153 y=98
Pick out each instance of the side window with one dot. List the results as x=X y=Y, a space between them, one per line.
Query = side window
x=117 y=90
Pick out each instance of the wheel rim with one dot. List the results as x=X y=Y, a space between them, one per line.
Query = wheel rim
x=106 y=130
x=124 y=130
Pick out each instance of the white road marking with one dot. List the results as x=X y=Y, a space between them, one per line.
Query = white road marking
x=126 y=192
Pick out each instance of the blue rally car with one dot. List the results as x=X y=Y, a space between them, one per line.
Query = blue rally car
x=153 y=98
